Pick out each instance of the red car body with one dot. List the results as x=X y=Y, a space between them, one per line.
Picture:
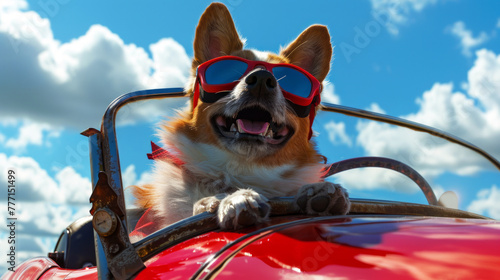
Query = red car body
x=363 y=247
x=376 y=240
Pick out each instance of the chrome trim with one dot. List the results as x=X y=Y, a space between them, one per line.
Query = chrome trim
x=349 y=111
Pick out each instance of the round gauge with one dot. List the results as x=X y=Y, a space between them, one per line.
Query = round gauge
x=104 y=221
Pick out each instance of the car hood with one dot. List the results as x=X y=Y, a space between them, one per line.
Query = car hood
x=366 y=247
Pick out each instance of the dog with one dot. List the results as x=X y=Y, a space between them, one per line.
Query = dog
x=246 y=137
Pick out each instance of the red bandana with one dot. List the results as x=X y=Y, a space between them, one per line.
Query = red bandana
x=158 y=153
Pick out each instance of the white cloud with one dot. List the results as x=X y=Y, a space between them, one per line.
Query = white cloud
x=170 y=62
x=487 y=203
x=37 y=185
x=328 y=95
x=44 y=205
x=337 y=134
x=129 y=177
x=376 y=178
x=498 y=23
x=484 y=83
x=46 y=219
x=467 y=39
x=150 y=111
x=396 y=12
x=29 y=134
x=13 y=5
x=440 y=108
x=72 y=83
x=374 y=107
x=9 y=122
x=73 y=187
x=472 y=115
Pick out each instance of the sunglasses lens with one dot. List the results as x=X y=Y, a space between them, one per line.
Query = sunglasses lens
x=293 y=81
x=225 y=71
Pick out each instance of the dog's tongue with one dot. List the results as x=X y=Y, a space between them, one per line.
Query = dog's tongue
x=252 y=127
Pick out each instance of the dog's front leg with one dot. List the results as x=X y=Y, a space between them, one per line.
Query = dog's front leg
x=242 y=208
x=323 y=198
x=208 y=204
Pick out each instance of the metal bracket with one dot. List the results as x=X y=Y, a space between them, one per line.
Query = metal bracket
x=123 y=260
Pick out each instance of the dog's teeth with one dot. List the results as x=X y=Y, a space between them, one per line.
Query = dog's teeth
x=240 y=130
x=270 y=133
x=265 y=132
x=233 y=127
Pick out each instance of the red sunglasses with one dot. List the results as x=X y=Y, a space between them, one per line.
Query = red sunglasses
x=218 y=77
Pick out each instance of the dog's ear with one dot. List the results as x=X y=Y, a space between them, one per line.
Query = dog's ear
x=216 y=34
x=312 y=51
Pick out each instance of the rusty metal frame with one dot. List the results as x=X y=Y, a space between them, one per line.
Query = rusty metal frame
x=111 y=158
x=116 y=257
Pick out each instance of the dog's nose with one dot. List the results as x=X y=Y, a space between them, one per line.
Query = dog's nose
x=260 y=81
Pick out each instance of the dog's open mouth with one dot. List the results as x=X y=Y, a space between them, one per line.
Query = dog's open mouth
x=253 y=123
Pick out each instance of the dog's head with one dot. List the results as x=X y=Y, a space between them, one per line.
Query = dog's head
x=255 y=118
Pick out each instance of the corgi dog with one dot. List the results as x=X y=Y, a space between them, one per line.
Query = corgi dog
x=246 y=137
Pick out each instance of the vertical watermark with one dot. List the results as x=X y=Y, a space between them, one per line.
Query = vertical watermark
x=11 y=218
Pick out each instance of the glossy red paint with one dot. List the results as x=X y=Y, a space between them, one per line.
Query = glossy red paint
x=357 y=248
x=45 y=269
x=184 y=259
x=345 y=248
x=67 y=274
x=31 y=269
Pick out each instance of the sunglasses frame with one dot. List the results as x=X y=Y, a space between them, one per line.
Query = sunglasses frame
x=305 y=104
x=252 y=64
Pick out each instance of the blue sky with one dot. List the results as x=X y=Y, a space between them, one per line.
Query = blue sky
x=62 y=62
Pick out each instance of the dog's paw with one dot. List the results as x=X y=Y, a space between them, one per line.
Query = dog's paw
x=323 y=198
x=208 y=204
x=242 y=208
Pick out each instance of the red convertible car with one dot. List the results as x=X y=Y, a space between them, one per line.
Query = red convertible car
x=377 y=239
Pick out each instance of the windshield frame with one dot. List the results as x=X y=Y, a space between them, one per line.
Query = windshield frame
x=104 y=158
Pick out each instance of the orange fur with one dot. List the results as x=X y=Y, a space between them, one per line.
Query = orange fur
x=217 y=25
x=312 y=51
x=144 y=194
x=216 y=35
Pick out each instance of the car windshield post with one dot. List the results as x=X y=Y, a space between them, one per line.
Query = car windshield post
x=105 y=159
